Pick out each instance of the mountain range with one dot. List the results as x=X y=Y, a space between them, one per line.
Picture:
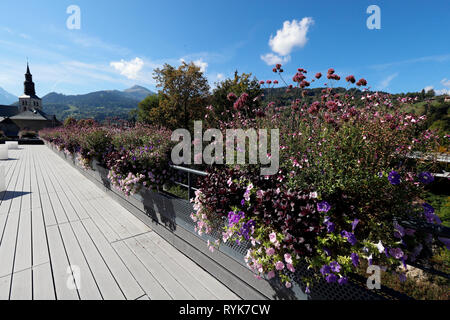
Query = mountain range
x=7 y=98
x=98 y=105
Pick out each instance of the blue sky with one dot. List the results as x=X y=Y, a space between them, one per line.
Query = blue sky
x=121 y=42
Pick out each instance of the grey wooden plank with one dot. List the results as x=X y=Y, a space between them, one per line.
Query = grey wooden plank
x=88 y=289
x=218 y=289
x=133 y=224
x=21 y=288
x=60 y=266
x=47 y=210
x=147 y=281
x=8 y=244
x=58 y=209
x=108 y=286
x=43 y=288
x=39 y=238
x=182 y=276
x=145 y=298
x=24 y=253
x=124 y=278
x=170 y=284
x=5 y=285
x=68 y=208
x=109 y=218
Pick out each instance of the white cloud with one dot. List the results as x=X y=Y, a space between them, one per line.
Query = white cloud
x=428 y=88
x=292 y=35
x=445 y=82
x=385 y=83
x=199 y=63
x=220 y=76
x=272 y=59
x=129 y=69
x=442 y=91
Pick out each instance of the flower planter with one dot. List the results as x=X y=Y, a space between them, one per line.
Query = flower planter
x=12 y=145
x=4 y=152
x=169 y=216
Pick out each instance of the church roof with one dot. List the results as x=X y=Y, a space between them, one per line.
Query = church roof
x=33 y=115
x=8 y=111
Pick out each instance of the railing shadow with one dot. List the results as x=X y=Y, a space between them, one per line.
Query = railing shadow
x=8 y=195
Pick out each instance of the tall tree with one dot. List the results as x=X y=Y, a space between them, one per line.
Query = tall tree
x=184 y=94
x=147 y=111
x=238 y=85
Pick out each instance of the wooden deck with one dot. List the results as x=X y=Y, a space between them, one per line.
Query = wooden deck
x=56 y=227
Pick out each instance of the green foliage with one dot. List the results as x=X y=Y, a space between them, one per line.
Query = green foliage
x=184 y=93
x=147 y=111
x=238 y=85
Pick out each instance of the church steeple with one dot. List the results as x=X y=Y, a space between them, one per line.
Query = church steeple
x=29 y=101
x=29 y=89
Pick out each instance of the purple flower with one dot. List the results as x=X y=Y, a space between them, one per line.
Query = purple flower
x=307 y=290
x=331 y=278
x=426 y=177
x=330 y=226
x=399 y=231
x=355 y=259
x=335 y=267
x=325 y=270
x=427 y=208
x=394 y=178
x=397 y=253
x=243 y=202
x=323 y=206
x=343 y=280
x=354 y=224
x=350 y=237
x=445 y=241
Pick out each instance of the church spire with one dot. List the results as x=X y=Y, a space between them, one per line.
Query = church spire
x=28 y=85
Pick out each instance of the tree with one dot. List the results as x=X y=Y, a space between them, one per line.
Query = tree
x=183 y=96
x=147 y=111
x=238 y=85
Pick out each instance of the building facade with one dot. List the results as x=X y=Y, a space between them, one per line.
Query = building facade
x=28 y=115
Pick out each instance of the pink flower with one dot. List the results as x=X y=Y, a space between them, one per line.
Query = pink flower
x=288 y=258
x=290 y=267
x=288 y=284
x=270 y=251
x=271 y=275
x=279 y=265
x=273 y=237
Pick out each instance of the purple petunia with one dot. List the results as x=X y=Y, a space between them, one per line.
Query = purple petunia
x=350 y=237
x=343 y=280
x=330 y=225
x=397 y=253
x=355 y=259
x=325 y=269
x=323 y=206
x=426 y=177
x=354 y=224
x=335 y=267
x=394 y=177
x=331 y=278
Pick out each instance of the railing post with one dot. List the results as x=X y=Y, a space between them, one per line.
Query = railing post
x=189 y=186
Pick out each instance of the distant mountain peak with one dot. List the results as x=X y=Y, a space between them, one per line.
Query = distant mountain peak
x=6 y=97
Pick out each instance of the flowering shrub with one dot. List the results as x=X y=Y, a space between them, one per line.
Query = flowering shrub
x=346 y=184
x=135 y=157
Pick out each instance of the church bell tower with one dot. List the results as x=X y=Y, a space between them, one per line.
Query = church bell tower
x=29 y=101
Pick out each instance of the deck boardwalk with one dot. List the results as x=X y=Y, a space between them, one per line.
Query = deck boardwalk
x=61 y=237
